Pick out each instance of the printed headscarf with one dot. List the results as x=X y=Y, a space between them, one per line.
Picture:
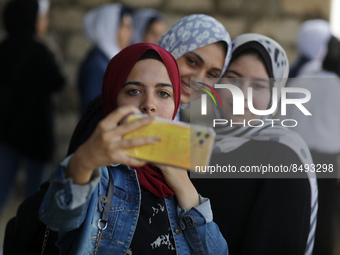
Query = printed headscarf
x=193 y=32
x=272 y=53
x=141 y=19
x=101 y=26
x=276 y=61
x=230 y=138
x=118 y=69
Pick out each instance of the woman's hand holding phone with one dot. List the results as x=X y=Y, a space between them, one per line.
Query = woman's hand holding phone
x=106 y=145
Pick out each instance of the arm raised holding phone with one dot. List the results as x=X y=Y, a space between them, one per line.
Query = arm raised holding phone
x=143 y=78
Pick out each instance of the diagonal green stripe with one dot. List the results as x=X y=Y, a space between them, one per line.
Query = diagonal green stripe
x=211 y=88
x=209 y=94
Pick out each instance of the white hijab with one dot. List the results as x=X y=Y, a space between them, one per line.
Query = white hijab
x=43 y=7
x=276 y=61
x=101 y=26
x=141 y=19
x=230 y=138
x=313 y=37
x=312 y=42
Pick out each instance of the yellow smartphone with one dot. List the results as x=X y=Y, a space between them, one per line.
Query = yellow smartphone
x=183 y=145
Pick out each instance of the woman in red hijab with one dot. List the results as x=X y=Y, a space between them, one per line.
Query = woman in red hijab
x=153 y=209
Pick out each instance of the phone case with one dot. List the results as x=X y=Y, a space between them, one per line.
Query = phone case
x=182 y=145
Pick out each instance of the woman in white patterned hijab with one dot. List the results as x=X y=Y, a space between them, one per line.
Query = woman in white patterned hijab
x=202 y=47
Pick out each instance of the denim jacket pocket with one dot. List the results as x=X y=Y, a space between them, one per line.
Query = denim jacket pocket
x=117 y=205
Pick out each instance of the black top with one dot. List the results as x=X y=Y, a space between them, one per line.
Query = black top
x=153 y=233
x=29 y=76
x=20 y=17
x=260 y=216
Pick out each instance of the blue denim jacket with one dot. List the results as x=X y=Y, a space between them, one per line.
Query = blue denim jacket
x=74 y=211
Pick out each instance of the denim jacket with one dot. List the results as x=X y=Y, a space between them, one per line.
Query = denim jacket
x=75 y=210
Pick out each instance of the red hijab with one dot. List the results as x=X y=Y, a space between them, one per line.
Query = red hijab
x=118 y=69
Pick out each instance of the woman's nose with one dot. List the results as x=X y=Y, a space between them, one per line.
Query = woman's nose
x=200 y=74
x=148 y=105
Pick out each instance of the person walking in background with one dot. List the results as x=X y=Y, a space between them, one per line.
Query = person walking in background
x=109 y=28
x=29 y=77
x=148 y=25
x=321 y=131
x=311 y=42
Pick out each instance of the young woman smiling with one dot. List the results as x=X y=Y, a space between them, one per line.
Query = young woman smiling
x=202 y=48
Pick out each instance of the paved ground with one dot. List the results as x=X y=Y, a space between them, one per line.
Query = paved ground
x=8 y=213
